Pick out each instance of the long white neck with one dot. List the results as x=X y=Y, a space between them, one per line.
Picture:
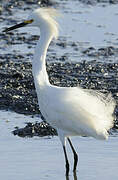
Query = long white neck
x=39 y=64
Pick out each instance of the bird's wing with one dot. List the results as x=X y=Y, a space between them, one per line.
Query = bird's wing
x=82 y=110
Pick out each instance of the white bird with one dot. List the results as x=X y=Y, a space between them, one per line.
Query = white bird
x=73 y=111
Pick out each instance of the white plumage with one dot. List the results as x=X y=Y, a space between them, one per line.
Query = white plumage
x=73 y=111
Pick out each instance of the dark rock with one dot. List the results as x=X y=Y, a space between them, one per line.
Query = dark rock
x=35 y=129
x=94 y=2
x=104 y=52
x=17 y=90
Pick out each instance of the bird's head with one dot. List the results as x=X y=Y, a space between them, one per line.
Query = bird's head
x=44 y=18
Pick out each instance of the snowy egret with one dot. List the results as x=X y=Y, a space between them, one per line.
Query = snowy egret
x=73 y=111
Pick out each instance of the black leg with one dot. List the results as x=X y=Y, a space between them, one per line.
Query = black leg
x=67 y=163
x=75 y=175
x=75 y=155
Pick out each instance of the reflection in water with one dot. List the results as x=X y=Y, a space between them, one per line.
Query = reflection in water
x=74 y=176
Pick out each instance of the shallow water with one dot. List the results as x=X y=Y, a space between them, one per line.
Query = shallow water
x=42 y=158
x=85 y=25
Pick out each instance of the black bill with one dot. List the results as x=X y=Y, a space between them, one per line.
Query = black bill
x=18 y=25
